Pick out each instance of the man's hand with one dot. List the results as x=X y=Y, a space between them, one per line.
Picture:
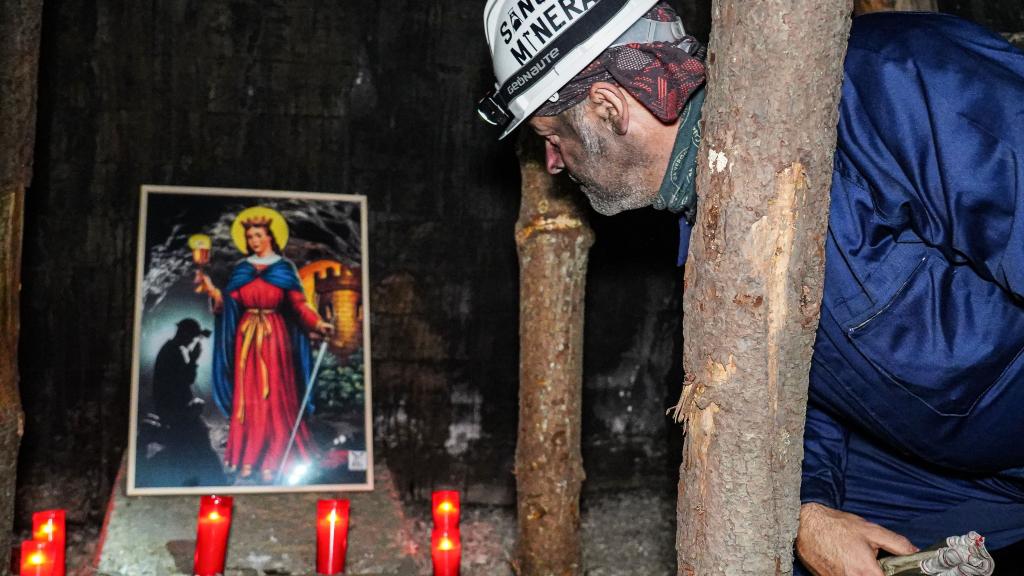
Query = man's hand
x=195 y=353
x=196 y=405
x=835 y=543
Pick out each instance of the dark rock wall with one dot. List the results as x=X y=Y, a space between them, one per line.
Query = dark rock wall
x=355 y=97
x=999 y=15
x=1004 y=16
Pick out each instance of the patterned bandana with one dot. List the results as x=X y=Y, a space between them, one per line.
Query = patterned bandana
x=678 y=187
x=659 y=75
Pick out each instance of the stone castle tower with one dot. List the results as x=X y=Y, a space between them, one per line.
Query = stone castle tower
x=340 y=298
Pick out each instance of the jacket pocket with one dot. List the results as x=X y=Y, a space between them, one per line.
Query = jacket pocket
x=945 y=335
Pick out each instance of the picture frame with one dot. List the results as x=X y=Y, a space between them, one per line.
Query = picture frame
x=251 y=344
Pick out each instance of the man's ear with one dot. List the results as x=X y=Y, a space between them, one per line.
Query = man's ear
x=609 y=103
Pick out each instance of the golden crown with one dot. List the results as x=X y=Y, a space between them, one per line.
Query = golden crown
x=260 y=221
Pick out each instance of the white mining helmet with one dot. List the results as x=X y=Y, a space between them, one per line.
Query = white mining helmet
x=537 y=46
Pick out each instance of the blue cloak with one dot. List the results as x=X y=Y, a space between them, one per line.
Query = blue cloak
x=280 y=274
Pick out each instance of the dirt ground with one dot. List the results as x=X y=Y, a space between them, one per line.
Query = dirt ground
x=624 y=534
x=628 y=533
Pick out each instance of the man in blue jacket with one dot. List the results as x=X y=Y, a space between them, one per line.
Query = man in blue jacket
x=914 y=427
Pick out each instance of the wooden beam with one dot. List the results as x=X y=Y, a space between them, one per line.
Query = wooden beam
x=753 y=281
x=19 y=62
x=553 y=239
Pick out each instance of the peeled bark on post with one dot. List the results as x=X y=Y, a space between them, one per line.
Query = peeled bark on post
x=754 y=277
x=19 y=63
x=553 y=239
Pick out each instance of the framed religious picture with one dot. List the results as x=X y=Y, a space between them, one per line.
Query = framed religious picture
x=251 y=358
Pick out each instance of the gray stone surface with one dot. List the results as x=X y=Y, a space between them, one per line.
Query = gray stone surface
x=630 y=533
x=625 y=533
x=271 y=534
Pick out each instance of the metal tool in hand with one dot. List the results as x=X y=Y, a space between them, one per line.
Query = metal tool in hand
x=302 y=408
x=956 y=556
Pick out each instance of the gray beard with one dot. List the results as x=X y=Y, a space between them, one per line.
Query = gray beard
x=622 y=189
x=610 y=203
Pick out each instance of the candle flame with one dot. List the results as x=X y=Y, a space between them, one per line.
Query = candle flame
x=214 y=515
x=445 y=544
x=446 y=506
x=37 y=559
x=46 y=529
x=332 y=517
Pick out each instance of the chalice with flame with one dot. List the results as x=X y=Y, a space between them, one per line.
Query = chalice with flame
x=200 y=245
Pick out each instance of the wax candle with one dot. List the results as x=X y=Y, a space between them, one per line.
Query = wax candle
x=446 y=552
x=331 y=536
x=212 y=535
x=446 y=510
x=48 y=526
x=37 y=558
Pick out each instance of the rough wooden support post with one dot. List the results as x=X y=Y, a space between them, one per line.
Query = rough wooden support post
x=553 y=239
x=19 y=63
x=754 y=277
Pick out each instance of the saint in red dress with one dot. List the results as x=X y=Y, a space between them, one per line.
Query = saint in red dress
x=266 y=393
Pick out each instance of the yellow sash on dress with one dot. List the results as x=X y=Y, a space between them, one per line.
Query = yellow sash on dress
x=255 y=326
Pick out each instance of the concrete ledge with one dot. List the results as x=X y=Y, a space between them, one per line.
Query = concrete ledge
x=271 y=534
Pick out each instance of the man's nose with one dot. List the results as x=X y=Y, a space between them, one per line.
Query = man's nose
x=554 y=158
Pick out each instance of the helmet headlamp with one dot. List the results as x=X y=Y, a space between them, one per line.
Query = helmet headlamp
x=493 y=110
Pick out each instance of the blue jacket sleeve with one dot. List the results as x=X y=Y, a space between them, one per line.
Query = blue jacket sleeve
x=932 y=117
x=824 y=464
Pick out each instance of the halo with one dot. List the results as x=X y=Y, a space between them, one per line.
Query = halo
x=277 y=225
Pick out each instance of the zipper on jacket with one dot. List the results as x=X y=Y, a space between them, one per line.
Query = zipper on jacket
x=888 y=304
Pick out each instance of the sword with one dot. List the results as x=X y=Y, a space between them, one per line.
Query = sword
x=302 y=408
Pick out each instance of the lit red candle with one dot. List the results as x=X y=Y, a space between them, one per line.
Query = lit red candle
x=212 y=535
x=48 y=526
x=37 y=558
x=446 y=552
x=446 y=510
x=331 y=536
